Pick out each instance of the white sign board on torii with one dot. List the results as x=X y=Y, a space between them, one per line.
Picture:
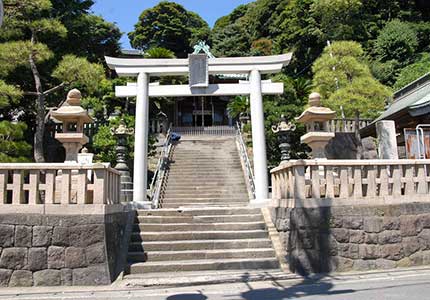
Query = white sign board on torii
x=255 y=88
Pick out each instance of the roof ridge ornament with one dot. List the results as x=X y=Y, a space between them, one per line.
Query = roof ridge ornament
x=202 y=46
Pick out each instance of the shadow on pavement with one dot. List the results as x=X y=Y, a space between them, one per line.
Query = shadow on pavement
x=191 y=296
x=310 y=286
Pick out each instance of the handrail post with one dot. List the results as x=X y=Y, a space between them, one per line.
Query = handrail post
x=299 y=185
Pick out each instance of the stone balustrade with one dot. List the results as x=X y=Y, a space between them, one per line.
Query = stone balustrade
x=347 y=125
x=58 y=188
x=316 y=183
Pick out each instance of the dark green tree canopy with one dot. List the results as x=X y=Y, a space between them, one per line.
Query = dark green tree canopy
x=169 y=25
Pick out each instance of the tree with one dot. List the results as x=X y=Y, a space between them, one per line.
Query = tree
x=261 y=46
x=396 y=41
x=233 y=40
x=239 y=105
x=413 y=71
x=296 y=30
x=231 y=36
x=169 y=25
x=159 y=52
x=337 y=19
x=342 y=79
x=27 y=25
x=13 y=147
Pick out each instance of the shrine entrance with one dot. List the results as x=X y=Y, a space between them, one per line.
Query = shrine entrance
x=198 y=67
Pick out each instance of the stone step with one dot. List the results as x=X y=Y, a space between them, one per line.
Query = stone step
x=208 y=195
x=199 y=265
x=196 y=198
x=197 y=172
x=182 y=279
x=215 y=190
x=205 y=177
x=200 y=254
x=193 y=163
x=198 y=219
x=197 y=235
x=199 y=211
x=184 y=205
x=206 y=181
x=233 y=226
x=207 y=160
x=208 y=189
x=200 y=245
x=175 y=161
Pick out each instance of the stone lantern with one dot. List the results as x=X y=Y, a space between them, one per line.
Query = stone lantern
x=316 y=119
x=283 y=130
x=121 y=133
x=73 y=117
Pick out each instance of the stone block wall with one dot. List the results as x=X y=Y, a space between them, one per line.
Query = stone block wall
x=360 y=238
x=47 y=250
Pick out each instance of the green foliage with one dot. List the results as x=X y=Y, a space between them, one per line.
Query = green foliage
x=232 y=40
x=15 y=54
x=230 y=35
x=159 y=52
x=8 y=94
x=296 y=30
x=96 y=37
x=168 y=25
x=385 y=72
x=337 y=19
x=13 y=148
x=413 y=71
x=104 y=142
x=364 y=94
x=344 y=80
x=290 y=104
x=261 y=46
x=78 y=72
x=239 y=105
x=396 y=41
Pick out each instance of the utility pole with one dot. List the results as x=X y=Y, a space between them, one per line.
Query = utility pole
x=1 y=12
x=334 y=67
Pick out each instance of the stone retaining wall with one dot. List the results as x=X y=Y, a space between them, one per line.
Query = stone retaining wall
x=42 y=250
x=346 y=238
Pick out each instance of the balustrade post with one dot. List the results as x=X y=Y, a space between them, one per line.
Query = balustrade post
x=33 y=191
x=3 y=184
x=299 y=184
x=17 y=192
x=100 y=186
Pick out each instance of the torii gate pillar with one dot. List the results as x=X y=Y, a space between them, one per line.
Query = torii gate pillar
x=258 y=137
x=140 y=177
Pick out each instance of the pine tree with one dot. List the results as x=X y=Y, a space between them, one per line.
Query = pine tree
x=28 y=26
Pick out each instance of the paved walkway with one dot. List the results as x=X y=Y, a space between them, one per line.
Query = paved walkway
x=412 y=284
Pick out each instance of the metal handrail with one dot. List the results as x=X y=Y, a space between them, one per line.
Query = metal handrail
x=245 y=159
x=158 y=179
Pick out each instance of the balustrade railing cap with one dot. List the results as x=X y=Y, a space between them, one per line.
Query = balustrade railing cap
x=349 y=163
x=56 y=166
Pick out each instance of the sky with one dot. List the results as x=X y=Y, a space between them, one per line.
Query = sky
x=125 y=13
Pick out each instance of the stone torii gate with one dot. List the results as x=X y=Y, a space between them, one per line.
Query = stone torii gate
x=198 y=67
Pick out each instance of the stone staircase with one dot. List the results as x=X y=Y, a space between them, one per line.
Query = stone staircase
x=205 y=172
x=205 y=229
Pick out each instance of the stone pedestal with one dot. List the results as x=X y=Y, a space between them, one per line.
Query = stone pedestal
x=386 y=132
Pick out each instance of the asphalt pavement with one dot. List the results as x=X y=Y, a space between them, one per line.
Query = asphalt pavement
x=407 y=284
